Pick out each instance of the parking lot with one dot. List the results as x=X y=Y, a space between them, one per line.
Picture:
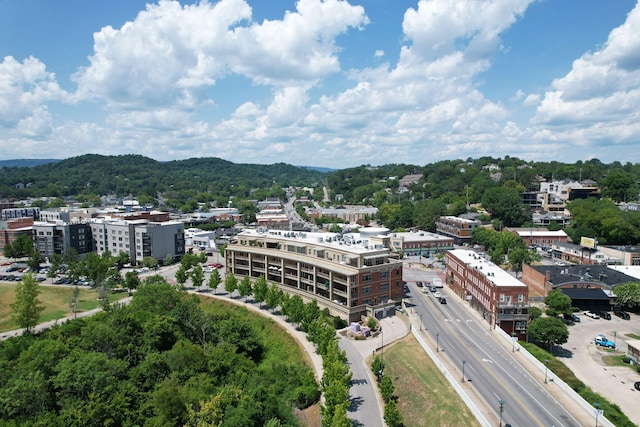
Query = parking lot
x=584 y=358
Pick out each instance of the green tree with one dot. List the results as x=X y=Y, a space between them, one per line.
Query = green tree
x=505 y=204
x=628 y=294
x=273 y=296
x=27 y=306
x=557 y=303
x=131 y=281
x=521 y=255
x=620 y=186
x=244 y=287
x=197 y=276
x=549 y=331
x=230 y=283
x=75 y=298
x=260 y=290
x=534 y=312
x=214 y=280
x=392 y=415
x=181 y=275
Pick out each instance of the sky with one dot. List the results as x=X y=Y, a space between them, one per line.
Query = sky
x=326 y=83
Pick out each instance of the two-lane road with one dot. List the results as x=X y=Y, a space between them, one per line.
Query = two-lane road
x=488 y=367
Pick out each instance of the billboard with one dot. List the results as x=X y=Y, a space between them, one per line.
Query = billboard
x=588 y=242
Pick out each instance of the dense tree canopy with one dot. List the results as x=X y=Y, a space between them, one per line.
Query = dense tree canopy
x=164 y=360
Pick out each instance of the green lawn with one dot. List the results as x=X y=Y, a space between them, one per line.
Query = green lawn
x=55 y=299
x=425 y=398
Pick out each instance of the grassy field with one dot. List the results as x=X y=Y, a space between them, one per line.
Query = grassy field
x=425 y=398
x=55 y=299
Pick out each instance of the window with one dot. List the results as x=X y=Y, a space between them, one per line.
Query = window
x=384 y=286
x=384 y=274
x=520 y=297
x=366 y=277
x=366 y=301
x=501 y=297
x=366 y=290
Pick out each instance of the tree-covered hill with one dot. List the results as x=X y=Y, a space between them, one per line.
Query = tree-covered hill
x=134 y=175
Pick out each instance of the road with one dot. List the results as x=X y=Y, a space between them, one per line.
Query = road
x=489 y=370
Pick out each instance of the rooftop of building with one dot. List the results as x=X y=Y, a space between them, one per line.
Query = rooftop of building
x=495 y=274
x=419 y=235
x=348 y=242
x=584 y=273
x=524 y=232
x=458 y=219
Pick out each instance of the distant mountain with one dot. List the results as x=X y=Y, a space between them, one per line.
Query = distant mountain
x=124 y=175
x=318 y=168
x=29 y=163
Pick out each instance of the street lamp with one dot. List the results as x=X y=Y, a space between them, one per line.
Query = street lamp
x=546 y=369
x=597 y=405
x=463 y=363
x=420 y=321
x=513 y=342
x=437 y=347
x=382 y=346
x=501 y=402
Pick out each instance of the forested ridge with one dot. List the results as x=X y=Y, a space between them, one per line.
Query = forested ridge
x=135 y=175
x=166 y=359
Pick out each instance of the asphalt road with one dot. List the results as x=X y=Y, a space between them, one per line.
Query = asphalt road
x=489 y=369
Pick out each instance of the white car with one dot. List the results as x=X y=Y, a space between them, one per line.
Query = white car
x=591 y=314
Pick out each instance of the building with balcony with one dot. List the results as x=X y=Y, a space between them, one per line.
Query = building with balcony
x=500 y=298
x=352 y=274
x=139 y=238
x=58 y=237
x=458 y=228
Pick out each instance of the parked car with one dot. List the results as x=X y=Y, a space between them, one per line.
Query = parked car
x=591 y=314
x=603 y=341
x=572 y=317
x=622 y=314
x=604 y=315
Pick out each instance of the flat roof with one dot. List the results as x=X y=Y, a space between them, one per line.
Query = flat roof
x=418 y=236
x=495 y=274
x=348 y=242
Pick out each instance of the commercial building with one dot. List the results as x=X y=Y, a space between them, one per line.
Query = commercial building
x=458 y=228
x=422 y=243
x=500 y=298
x=540 y=236
x=11 y=229
x=590 y=287
x=352 y=275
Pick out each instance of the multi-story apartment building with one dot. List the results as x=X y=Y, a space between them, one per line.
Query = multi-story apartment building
x=13 y=213
x=57 y=237
x=139 y=238
x=458 y=228
x=500 y=298
x=420 y=243
x=352 y=275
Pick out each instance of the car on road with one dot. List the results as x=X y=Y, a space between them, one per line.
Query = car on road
x=419 y=284
x=591 y=314
x=442 y=300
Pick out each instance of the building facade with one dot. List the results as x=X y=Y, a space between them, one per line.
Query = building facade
x=421 y=243
x=540 y=236
x=500 y=298
x=459 y=229
x=58 y=237
x=348 y=274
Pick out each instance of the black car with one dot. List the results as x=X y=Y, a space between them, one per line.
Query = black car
x=604 y=314
x=572 y=317
x=622 y=314
x=442 y=300
x=419 y=284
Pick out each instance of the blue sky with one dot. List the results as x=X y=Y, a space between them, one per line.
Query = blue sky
x=324 y=83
